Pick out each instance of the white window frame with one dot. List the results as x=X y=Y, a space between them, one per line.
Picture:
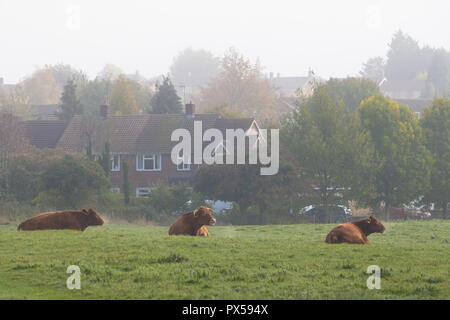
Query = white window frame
x=114 y=190
x=112 y=162
x=146 y=192
x=182 y=165
x=148 y=157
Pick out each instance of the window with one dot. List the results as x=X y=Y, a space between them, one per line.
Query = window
x=142 y=192
x=115 y=162
x=148 y=162
x=183 y=163
x=114 y=190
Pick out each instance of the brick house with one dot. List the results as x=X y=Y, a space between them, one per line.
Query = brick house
x=143 y=141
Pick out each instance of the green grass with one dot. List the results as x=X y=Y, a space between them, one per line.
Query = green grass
x=241 y=262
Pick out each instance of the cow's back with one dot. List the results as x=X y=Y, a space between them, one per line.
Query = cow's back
x=347 y=232
x=54 y=220
x=182 y=225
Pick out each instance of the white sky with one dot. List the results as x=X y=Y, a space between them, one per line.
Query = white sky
x=334 y=38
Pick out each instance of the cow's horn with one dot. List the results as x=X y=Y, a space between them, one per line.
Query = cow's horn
x=195 y=212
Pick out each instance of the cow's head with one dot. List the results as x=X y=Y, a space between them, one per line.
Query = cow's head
x=94 y=218
x=204 y=216
x=374 y=225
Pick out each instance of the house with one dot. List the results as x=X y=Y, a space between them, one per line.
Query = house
x=295 y=86
x=44 y=111
x=142 y=141
x=44 y=133
x=402 y=89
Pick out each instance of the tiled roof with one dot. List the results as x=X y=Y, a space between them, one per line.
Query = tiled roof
x=139 y=133
x=44 y=133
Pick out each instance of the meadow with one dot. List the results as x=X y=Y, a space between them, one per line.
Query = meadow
x=122 y=261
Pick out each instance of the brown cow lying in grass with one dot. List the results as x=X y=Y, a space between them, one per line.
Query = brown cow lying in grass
x=193 y=223
x=75 y=220
x=355 y=232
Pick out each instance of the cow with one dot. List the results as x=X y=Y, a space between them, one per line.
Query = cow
x=355 y=232
x=75 y=220
x=193 y=223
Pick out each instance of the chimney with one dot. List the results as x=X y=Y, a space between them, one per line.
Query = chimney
x=104 y=111
x=190 y=110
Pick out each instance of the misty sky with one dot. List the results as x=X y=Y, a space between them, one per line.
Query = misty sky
x=332 y=37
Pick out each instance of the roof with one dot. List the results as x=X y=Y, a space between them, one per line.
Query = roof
x=44 y=111
x=416 y=105
x=146 y=133
x=44 y=133
x=289 y=85
x=402 y=85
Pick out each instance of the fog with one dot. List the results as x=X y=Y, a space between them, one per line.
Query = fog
x=332 y=37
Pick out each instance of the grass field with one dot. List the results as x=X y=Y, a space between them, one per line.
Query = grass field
x=239 y=262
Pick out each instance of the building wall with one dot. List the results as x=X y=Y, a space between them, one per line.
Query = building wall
x=142 y=179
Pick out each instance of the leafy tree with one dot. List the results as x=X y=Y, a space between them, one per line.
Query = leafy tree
x=435 y=121
x=373 y=69
x=42 y=87
x=166 y=100
x=320 y=140
x=110 y=72
x=26 y=170
x=104 y=160
x=15 y=103
x=405 y=59
x=12 y=143
x=46 y=84
x=244 y=185
x=70 y=105
x=194 y=67
x=70 y=181
x=351 y=91
x=95 y=93
x=240 y=86
x=123 y=100
x=404 y=164
x=439 y=72
x=126 y=183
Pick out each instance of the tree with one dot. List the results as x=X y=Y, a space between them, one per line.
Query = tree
x=42 y=87
x=435 y=121
x=126 y=183
x=95 y=93
x=46 y=84
x=70 y=181
x=404 y=164
x=244 y=185
x=110 y=72
x=104 y=160
x=15 y=103
x=166 y=100
x=123 y=100
x=12 y=143
x=320 y=140
x=351 y=91
x=405 y=59
x=240 y=86
x=70 y=105
x=373 y=69
x=439 y=72
x=194 y=67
